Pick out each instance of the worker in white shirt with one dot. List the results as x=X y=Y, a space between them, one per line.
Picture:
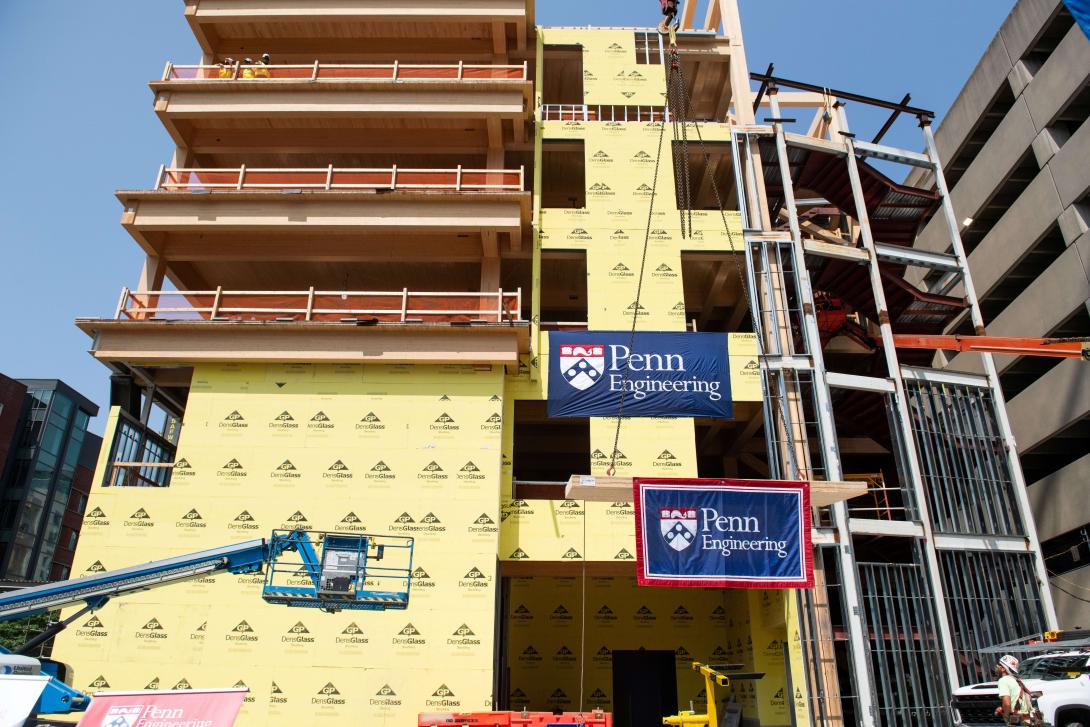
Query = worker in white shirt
x=1014 y=698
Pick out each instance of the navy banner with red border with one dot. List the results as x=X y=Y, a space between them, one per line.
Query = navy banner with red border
x=703 y=533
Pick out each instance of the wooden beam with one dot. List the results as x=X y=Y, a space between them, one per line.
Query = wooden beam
x=489 y=247
x=688 y=14
x=755 y=464
x=746 y=434
x=599 y=488
x=499 y=40
x=714 y=16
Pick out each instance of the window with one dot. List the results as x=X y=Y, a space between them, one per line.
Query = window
x=71 y=538
x=563 y=174
x=81 y=503
x=648 y=48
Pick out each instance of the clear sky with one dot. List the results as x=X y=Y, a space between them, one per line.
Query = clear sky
x=77 y=123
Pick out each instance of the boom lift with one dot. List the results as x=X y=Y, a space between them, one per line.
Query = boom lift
x=303 y=569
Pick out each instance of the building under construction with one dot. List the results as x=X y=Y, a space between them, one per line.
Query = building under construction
x=353 y=264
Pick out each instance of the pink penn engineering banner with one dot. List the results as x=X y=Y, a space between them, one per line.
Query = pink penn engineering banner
x=709 y=533
x=188 y=708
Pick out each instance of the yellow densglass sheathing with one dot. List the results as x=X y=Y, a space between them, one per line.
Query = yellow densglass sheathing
x=406 y=450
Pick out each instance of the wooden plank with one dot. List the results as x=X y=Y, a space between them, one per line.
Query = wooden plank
x=599 y=488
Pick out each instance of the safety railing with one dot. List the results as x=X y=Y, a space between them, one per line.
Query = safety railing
x=402 y=306
x=317 y=71
x=602 y=112
x=332 y=178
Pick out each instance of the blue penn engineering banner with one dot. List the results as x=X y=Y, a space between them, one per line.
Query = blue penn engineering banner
x=661 y=374
x=704 y=533
x=1081 y=10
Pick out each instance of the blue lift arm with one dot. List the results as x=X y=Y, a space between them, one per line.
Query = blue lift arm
x=330 y=571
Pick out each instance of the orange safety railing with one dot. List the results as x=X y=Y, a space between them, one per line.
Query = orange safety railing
x=402 y=306
x=335 y=71
x=331 y=178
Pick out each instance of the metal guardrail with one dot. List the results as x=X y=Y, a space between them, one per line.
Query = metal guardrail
x=402 y=306
x=333 y=178
x=317 y=71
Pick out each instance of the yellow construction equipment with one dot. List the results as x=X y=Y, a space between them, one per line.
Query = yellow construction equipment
x=713 y=677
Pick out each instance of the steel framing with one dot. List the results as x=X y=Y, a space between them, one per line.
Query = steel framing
x=925 y=599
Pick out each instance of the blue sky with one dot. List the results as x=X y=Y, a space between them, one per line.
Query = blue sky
x=78 y=123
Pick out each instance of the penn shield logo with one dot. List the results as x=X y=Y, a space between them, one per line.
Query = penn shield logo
x=380 y=471
x=582 y=366
x=678 y=526
x=232 y=468
x=234 y=420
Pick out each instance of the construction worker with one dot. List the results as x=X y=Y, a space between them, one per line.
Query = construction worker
x=262 y=70
x=227 y=68
x=1014 y=698
x=248 y=68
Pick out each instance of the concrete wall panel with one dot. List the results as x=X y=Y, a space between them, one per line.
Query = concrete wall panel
x=1063 y=74
x=1059 y=500
x=1041 y=410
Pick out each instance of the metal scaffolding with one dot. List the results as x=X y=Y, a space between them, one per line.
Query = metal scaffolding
x=962 y=543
